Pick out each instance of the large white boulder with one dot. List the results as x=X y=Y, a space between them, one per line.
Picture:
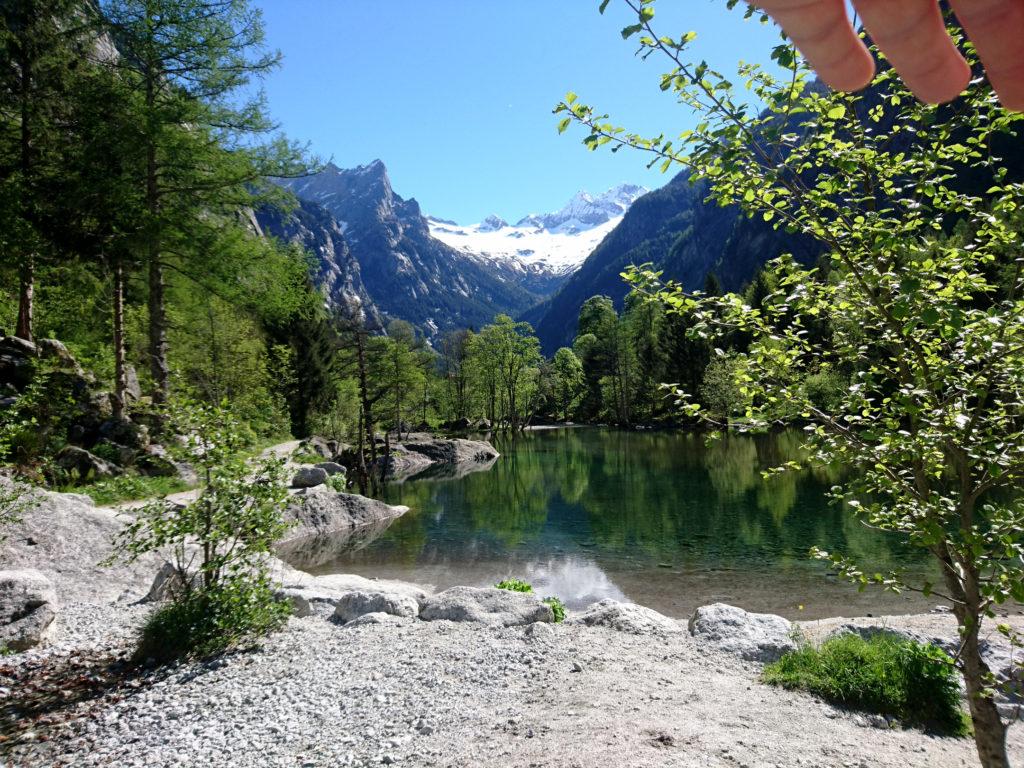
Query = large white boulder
x=355 y=604
x=760 y=637
x=27 y=608
x=66 y=537
x=626 y=617
x=496 y=607
x=322 y=510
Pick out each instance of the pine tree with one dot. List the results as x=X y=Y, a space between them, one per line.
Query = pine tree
x=205 y=148
x=41 y=44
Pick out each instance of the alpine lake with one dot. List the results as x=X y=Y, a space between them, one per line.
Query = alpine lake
x=664 y=519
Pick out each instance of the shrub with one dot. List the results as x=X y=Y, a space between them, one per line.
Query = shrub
x=557 y=608
x=307 y=457
x=913 y=682
x=220 y=543
x=514 y=585
x=205 y=622
x=338 y=482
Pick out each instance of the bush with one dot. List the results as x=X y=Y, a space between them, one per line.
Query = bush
x=205 y=622
x=557 y=608
x=913 y=682
x=514 y=585
x=224 y=597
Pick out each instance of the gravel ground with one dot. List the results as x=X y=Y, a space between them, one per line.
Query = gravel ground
x=420 y=693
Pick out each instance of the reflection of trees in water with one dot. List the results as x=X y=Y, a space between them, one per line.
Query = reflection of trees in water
x=732 y=466
x=659 y=496
x=776 y=495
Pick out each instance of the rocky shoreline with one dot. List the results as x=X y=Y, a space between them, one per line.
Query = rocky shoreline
x=375 y=673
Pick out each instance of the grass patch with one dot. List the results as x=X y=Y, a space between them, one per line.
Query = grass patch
x=307 y=457
x=210 y=621
x=128 y=488
x=518 y=585
x=557 y=608
x=885 y=675
x=514 y=585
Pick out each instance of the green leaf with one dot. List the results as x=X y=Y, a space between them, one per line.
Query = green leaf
x=837 y=112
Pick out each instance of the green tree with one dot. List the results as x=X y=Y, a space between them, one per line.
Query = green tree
x=398 y=373
x=568 y=372
x=507 y=353
x=931 y=425
x=645 y=321
x=455 y=373
x=203 y=125
x=40 y=44
x=595 y=327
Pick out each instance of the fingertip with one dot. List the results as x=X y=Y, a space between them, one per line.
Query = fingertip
x=852 y=74
x=943 y=84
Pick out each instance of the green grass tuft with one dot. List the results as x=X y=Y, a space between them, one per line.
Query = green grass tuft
x=515 y=585
x=129 y=488
x=557 y=608
x=914 y=683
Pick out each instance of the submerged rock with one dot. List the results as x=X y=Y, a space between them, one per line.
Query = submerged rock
x=27 y=608
x=497 y=607
x=760 y=637
x=626 y=617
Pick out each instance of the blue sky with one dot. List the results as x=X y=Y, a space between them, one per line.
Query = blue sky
x=455 y=96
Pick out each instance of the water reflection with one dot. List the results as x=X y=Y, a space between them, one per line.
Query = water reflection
x=577 y=581
x=659 y=518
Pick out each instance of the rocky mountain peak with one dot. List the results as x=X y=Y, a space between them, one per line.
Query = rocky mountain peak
x=586 y=211
x=493 y=223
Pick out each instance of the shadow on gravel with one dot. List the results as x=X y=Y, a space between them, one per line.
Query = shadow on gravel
x=42 y=694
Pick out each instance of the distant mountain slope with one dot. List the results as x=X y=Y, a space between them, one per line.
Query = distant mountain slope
x=554 y=243
x=312 y=227
x=674 y=228
x=408 y=273
x=685 y=236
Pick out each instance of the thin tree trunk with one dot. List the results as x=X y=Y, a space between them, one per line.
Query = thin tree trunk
x=364 y=394
x=120 y=368
x=989 y=729
x=156 y=305
x=26 y=292
x=360 y=446
x=26 y=297
x=158 y=330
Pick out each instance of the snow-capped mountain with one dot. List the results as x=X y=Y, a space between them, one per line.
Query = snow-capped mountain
x=553 y=243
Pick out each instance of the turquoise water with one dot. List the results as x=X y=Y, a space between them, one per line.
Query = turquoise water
x=658 y=518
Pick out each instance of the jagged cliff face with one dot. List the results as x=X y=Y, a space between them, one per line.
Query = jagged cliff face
x=408 y=273
x=337 y=271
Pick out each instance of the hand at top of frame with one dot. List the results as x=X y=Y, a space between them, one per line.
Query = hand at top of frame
x=913 y=37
